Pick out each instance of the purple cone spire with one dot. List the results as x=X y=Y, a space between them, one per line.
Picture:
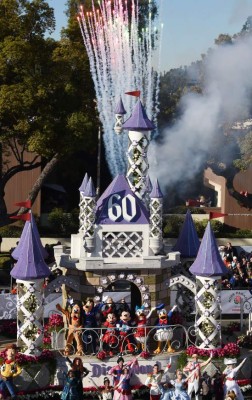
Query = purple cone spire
x=23 y=238
x=138 y=120
x=84 y=183
x=120 y=110
x=188 y=242
x=30 y=264
x=208 y=262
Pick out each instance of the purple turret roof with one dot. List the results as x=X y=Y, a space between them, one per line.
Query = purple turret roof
x=188 y=242
x=148 y=184
x=23 y=238
x=156 y=191
x=89 y=190
x=120 y=108
x=120 y=188
x=208 y=261
x=84 y=183
x=30 y=264
x=138 y=119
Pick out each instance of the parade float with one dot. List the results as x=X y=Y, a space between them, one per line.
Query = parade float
x=118 y=254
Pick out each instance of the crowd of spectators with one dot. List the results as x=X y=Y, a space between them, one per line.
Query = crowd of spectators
x=239 y=268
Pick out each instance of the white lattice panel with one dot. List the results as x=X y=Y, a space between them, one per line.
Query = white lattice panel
x=156 y=220
x=122 y=244
x=208 y=312
x=138 y=163
x=87 y=216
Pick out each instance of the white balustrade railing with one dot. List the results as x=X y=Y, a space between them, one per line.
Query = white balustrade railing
x=149 y=339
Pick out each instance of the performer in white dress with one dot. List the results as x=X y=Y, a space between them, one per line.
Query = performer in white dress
x=230 y=373
x=106 y=393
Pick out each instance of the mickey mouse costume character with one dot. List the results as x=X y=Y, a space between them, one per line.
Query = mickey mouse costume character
x=125 y=332
x=9 y=370
x=74 y=322
x=164 y=332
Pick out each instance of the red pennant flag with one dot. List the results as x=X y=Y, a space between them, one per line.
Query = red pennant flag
x=26 y=204
x=213 y=215
x=135 y=93
x=24 y=217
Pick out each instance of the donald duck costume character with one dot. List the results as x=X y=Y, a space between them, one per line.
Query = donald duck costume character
x=164 y=333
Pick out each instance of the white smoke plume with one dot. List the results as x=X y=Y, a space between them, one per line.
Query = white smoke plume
x=227 y=97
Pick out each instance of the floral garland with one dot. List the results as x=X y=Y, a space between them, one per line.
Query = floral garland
x=54 y=392
x=229 y=350
x=24 y=359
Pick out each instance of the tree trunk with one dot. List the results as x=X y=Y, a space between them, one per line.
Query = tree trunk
x=4 y=220
x=39 y=182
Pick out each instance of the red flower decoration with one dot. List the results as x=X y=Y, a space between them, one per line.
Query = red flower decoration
x=101 y=355
x=145 y=354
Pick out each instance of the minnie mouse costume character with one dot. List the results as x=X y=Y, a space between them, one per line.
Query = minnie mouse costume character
x=110 y=338
x=140 y=332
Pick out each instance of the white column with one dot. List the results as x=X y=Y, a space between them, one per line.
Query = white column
x=138 y=162
x=208 y=313
x=30 y=313
x=156 y=221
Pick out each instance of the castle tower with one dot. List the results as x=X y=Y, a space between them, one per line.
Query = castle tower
x=208 y=269
x=119 y=113
x=116 y=248
x=139 y=127
x=82 y=203
x=89 y=205
x=30 y=271
x=156 y=218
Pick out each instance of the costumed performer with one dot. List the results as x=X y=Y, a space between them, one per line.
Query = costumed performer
x=141 y=320
x=80 y=372
x=230 y=373
x=70 y=389
x=154 y=379
x=179 y=392
x=123 y=388
x=194 y=377
x=110 y=338
x=74 y=322
x=105 y=393
x=9 y=370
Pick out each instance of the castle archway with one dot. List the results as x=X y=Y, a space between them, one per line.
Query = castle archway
x=124 y=290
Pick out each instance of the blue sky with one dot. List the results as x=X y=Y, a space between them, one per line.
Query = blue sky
x=190 y=26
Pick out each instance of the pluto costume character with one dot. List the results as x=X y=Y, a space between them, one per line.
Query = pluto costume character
x=74 y=322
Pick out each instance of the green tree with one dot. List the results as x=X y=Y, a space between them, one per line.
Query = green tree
x=46 y=106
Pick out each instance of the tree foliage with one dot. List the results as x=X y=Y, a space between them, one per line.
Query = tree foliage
x=46 y=95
